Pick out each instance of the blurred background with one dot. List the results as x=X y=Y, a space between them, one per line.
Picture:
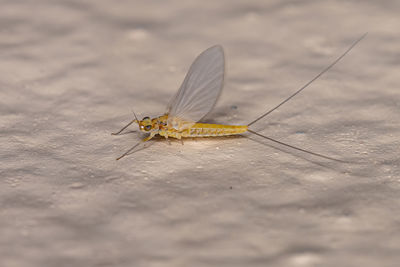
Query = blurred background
x=71 y=72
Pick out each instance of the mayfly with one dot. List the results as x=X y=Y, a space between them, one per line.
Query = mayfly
x=197 y=96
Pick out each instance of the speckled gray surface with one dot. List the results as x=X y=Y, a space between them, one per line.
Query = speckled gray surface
x=72 y=71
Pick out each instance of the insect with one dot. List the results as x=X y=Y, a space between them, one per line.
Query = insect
x=197 y=96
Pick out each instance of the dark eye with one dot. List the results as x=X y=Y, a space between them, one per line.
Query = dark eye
x=146 y=118
x=147 y=127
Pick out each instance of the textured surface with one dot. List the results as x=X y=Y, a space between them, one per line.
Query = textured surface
x=71 y=71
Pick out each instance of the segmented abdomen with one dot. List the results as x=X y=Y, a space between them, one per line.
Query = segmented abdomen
x=205 y=130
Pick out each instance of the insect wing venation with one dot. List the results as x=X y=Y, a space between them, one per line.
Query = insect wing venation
x=199 y=91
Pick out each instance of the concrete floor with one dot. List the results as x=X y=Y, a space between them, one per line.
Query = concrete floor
x=72 y=72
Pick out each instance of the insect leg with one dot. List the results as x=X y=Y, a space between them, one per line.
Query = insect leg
x=152 y=134
x=135 y=120
x=135 y=146
x=126 y=126
x=166 y=138
x=127 y=152
x=179 y=137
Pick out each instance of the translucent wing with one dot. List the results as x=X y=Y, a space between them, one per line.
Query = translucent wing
x=199 y=91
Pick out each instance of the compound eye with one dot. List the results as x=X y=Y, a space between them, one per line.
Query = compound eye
x=147 y=127
x=146 y=118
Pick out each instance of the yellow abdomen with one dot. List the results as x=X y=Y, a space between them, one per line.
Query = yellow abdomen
x=206 y=129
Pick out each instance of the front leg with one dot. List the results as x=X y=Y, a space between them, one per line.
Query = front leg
x=152 y=134
x=166 y=138
x=179 y=137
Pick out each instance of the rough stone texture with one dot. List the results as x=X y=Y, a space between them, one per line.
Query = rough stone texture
x=72 y=71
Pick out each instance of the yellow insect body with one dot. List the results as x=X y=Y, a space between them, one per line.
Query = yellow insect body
x=160 y=126
x=197 y=96
x=206 y=129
